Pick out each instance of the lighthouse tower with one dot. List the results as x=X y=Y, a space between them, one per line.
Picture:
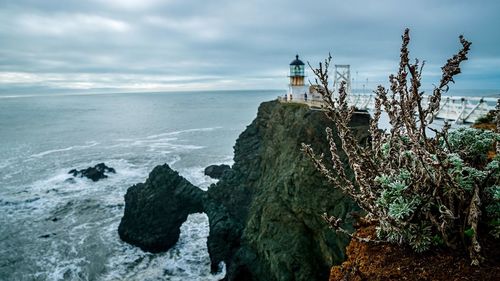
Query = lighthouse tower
x=296 y=88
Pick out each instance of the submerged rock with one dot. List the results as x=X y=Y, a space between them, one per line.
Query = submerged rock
x=156 y=209
x=216 y=171
x=95 y=173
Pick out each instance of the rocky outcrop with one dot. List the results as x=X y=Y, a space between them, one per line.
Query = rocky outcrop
x=155 y=210
x=95 y=173
x=265 y=212
x=216 y=171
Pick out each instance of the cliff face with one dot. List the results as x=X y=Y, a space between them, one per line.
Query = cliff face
x=265 y=212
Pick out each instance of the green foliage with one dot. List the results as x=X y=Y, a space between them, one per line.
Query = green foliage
x=493 y=208
x=437 y=240
x=494 y=166
x=406 y=209
x=385 y=148
x=472 y=144
x=469 y=232
x=464 y=175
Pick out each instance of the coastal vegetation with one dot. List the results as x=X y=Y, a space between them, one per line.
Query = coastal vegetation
x=420 y=185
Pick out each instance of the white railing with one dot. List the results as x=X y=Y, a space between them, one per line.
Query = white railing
x=458 y=109
x=311 y=102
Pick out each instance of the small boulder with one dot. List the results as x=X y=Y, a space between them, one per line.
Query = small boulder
x=216 y=171
x=156 y=209
x=95 y=173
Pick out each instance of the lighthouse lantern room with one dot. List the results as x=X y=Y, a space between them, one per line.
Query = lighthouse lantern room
x=296 y=88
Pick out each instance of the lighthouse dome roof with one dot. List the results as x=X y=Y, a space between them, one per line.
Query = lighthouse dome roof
x=297 y=61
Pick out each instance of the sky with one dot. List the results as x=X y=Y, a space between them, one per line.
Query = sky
x=175 y=45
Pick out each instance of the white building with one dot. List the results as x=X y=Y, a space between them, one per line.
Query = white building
x=296 y=88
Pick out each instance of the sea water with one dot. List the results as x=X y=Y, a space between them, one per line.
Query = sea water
x=52 y=229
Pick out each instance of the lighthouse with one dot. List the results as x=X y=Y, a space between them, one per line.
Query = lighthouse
x=296 y=88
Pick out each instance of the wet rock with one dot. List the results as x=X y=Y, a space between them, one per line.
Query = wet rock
x=95 y=173
x=216 y=171
x=155 y=210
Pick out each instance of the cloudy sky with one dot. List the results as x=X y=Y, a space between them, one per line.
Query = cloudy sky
x=157 y=45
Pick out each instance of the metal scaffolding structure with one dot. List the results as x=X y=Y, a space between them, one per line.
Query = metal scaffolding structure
x=458 y=109
x=342 y=73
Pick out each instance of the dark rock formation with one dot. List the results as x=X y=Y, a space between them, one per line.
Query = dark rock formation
x=94 y=173
x=47 y=235
x=265 y=212
x=216 y=171
x=155 y=210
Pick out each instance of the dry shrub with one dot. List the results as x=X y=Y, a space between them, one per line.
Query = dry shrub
x=420 y=190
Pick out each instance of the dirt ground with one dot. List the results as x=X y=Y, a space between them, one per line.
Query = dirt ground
x=368 y=261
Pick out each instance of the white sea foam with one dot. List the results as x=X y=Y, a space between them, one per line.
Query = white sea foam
x=175 y=159
x=41 y=154
x=146 y=140
x=166 y=137
x=4 y=163
x=183 y=132
x=197 y=177
x=82 y=209
x=159 y=143
x=187 y=260
x=178 y=147
x=82 y=212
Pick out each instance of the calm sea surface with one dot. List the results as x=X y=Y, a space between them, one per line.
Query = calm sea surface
x=54 y=230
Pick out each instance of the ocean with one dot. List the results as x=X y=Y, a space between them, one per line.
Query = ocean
x=51 y=229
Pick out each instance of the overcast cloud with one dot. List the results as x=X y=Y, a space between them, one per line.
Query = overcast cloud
x=154 y=45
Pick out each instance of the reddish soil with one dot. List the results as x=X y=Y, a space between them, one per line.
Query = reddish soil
x=368 y=261
x=485 y=126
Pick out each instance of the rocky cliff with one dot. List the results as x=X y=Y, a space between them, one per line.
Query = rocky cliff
x=265 y=211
